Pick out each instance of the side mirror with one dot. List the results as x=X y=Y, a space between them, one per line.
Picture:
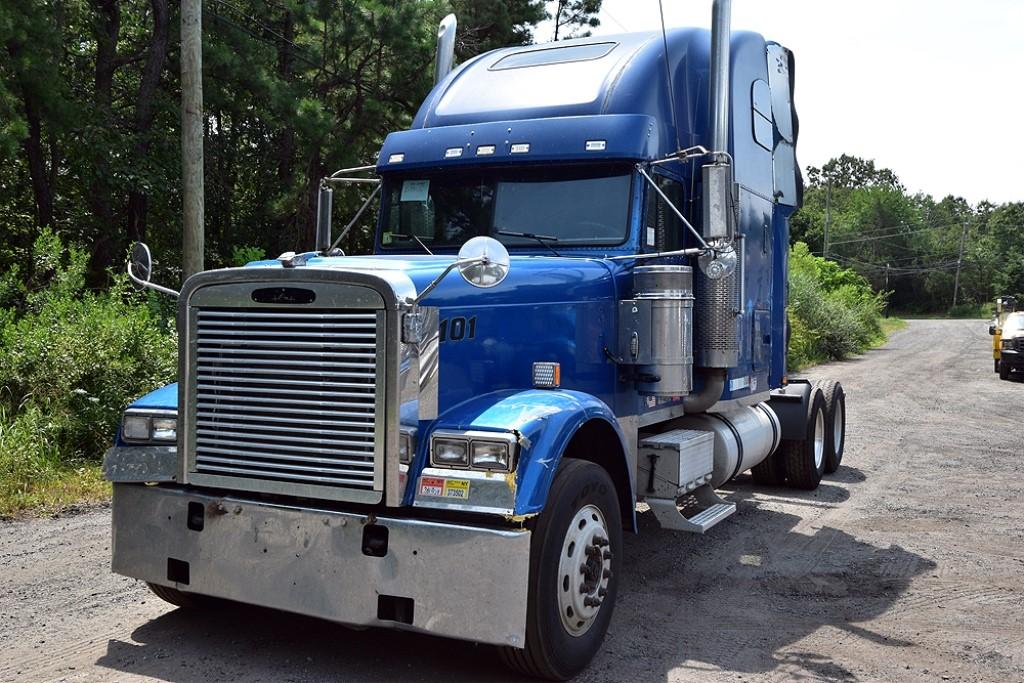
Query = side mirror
x=992 y=330
x=140 y=263
x=483 y=262
x=140 y=268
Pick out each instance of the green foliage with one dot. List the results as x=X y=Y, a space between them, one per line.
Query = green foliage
x=574 y=18
x=910 y=244
x=90 y=111
x=72 y=361
x=488 y=24
x=243 y=255
x=833 y=311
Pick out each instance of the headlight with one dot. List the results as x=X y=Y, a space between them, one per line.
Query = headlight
x=405 y=448
x=143 y=428
x=164 y=429
x=1007 y=343
x=476 y=450
x=489 y=455
x=450 y=452
x=135 y=428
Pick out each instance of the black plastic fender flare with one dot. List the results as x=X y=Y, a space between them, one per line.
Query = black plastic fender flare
x=789 y=404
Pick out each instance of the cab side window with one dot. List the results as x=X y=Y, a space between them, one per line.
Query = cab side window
x=663 y=229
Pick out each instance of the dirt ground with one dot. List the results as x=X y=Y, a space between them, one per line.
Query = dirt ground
x=907 y=565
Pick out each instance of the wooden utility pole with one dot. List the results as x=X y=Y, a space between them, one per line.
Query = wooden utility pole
x=192 y=136
x=959 y=260
x=828 y=217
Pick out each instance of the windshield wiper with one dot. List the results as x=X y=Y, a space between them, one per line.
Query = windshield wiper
x=410 y=236
x=544 y=240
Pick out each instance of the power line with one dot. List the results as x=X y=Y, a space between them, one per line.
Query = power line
x=890 y=235
x=906 y=270
x=615 y=21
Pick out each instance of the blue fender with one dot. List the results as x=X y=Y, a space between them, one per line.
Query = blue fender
x=546 y=421
x=164 y=398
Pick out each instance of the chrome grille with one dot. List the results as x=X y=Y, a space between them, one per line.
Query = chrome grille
x=286 y=394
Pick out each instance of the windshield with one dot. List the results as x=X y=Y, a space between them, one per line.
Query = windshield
x=1014 y=324
x=575 y=208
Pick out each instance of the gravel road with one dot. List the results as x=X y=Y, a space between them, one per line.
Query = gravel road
x=907 y=565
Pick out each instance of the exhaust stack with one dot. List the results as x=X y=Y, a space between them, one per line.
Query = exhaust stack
x=716 y=334
x=721 y=20
x=445 y=57
x=324 y=203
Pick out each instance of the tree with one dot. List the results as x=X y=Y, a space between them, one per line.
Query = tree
x=488 y=24
x=574 y=18
x=850 y=171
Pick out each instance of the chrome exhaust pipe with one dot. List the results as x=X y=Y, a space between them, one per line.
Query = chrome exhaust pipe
x=721 y=20
x=445 y=57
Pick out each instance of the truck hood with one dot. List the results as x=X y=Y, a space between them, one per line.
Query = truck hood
x=531 y=279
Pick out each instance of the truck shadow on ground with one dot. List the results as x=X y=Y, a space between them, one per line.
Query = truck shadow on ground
x=736 y=601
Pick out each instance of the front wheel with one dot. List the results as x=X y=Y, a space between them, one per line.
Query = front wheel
x=1004 y=371
x=997 y=364
x=191 y=601
x=575 y=556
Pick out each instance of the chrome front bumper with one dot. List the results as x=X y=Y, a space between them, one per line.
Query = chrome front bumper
x=451 y=580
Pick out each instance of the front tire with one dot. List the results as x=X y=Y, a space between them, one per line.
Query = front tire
x=805 y=458
x=835 y=423
x=575 y=560
x=1004 y=371
x=178 y=598
x=997 y=364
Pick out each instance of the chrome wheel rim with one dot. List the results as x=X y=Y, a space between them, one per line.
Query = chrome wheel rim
x=837 y=429
x=584 y=570
x=819 y=439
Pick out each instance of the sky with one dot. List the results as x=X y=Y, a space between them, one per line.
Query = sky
x=932 y=89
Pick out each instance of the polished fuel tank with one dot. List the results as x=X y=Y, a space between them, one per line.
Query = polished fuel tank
x=744 y=437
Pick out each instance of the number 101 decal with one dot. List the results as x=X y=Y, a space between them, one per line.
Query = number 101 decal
x=457 y=329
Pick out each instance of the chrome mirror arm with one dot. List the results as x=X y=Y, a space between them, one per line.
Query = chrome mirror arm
x=458 y=263
x=151 y=285
x=677 y=212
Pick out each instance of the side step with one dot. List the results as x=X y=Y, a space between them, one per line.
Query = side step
x=671 y=517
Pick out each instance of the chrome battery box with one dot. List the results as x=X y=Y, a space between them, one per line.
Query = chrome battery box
x=675 y=463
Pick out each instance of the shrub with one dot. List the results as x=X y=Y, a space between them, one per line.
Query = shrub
x=243 y=255
x=72 y=361
x=833 y=311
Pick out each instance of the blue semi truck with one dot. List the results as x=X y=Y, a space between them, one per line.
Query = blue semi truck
x=575 y=305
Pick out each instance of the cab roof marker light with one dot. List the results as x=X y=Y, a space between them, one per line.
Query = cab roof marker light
x=596 y=145
x=485 y=150
x=396 y=158
x=520 y=148
x=453 y=153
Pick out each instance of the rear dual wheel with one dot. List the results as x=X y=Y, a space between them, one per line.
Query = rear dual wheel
x=575 y=555
x=804 y=459
x=835 y=423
